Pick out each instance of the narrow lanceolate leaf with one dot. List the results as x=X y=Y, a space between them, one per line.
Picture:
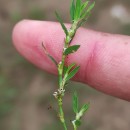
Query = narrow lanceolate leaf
x=75 y=102
x=72 y=10
x=91 y=7
x=82 y=111
x=85 y=13
x=84 y=5
x=72 y=73
x=84 y=18
x=71 y=49
x=78 y=9
x=51 y=58
x=70 y=67
x=84 y=108
x=62 y=24
x=67 y=69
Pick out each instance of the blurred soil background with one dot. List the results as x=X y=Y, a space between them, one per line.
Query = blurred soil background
x=26 y=91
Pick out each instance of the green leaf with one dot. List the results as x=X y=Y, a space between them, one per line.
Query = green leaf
x=84 y=5
x=84 y=108
x=75 y=102
x=91 y=7
x=72 y=10
x=78 y=9
x=84 y=19
x=72 y=73
x=85 y=14
x=71 y=49
x=62 y=24
x=51 y=58
x=82 y=111
x=70 y=67
x=77 y=123
x=65 y=69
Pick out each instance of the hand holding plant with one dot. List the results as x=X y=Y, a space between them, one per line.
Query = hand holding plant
x=80 y=12
x=101 y=46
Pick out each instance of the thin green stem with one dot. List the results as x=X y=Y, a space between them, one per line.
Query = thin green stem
x=75 y=128
x=68 y=39
x=61 y=113
x=74 y=125
x=79 y=14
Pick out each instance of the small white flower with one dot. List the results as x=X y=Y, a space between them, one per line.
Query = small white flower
x=55 y=94
x=60 y=63
x=64 y=49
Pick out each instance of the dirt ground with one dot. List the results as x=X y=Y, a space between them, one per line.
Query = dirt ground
x=26 y=91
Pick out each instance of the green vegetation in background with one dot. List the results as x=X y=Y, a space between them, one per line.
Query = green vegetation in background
x=15 y=17
x=33 y=13
x=126 y=29
x=36 y=14
x=7 y=97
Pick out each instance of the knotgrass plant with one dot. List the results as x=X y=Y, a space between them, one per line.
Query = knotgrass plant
x=79 y=12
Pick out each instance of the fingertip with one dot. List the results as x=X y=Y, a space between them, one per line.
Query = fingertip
x=103 y=64
x=20 y=31
x=28 y=36
x=16 y=30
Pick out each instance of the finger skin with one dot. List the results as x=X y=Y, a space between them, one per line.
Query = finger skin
x=104 y=59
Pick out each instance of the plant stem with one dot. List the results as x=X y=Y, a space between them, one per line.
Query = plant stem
x=67 y=41
x=74 y=125
x=61 y=113
x=75 y=128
